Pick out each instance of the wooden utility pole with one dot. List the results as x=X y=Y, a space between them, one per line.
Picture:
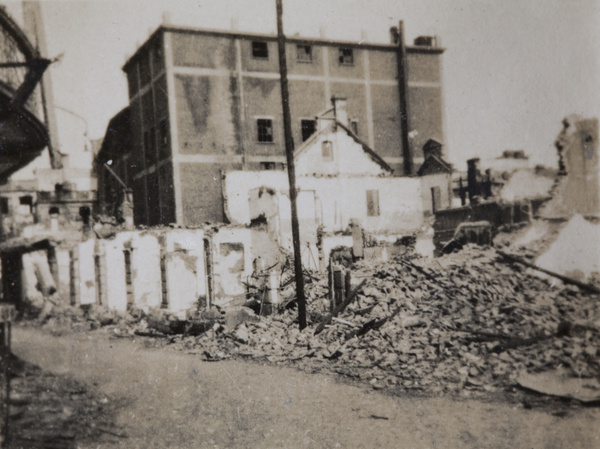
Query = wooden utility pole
x=403 y=92
x=289 y=152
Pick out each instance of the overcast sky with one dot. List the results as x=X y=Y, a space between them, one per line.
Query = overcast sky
x=512 y=68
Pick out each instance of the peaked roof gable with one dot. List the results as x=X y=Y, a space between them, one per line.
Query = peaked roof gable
x=434 y=165
x=316 y=137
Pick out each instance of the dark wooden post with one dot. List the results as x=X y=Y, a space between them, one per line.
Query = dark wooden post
x=403 y=92
x=289 y=152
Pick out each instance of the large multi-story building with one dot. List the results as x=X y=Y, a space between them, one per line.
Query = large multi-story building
x=204 y=102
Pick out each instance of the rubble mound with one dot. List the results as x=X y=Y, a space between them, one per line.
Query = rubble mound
x=465 y=321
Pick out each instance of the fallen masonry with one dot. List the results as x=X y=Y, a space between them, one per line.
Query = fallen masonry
x=471 y=321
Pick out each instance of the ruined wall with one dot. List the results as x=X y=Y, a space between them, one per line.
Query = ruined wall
x=335 y=201
x=443 y=182
x=578 y=190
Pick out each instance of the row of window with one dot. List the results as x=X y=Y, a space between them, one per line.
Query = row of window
x=264 y=127
x=304 y=53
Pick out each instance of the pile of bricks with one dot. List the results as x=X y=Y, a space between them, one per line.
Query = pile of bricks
x=467 y=320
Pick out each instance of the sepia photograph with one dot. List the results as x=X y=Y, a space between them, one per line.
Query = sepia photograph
x=299 y=224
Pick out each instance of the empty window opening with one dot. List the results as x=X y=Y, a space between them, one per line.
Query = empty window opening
x=267 y=165
x=26 y=200
x=373 y=203
x=308 y=129
x=54 y=210
x=327 y=150
x=260 y=50
x=354 y=126
x=265 y=130
x=304 y=53
x=346 y=56
x=4 y=206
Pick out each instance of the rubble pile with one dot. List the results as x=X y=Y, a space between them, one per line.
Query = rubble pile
x=466 y=321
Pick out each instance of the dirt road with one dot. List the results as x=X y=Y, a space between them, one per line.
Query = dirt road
x=175 y=400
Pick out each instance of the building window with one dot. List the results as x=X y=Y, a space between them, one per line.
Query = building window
x=260 y=50
x=308 y=129
x=267 y=165
x=327 y=150
x=373 y=203
x=265 y=130
x=304 y=53
x=4 y=206
x=354 y=126
x=346 y=56
x=54 y=210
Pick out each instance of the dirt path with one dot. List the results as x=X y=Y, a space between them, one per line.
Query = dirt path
x=174 y=400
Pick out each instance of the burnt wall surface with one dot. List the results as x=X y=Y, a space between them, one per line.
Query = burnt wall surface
x=223 y=84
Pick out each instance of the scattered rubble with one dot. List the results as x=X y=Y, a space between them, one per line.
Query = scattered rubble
x=471 y=321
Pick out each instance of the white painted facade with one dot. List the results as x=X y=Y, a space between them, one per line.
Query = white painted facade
x=336 y=178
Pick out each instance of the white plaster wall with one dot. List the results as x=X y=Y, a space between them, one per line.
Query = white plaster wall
x=349 y=157
x=344 y=198
x=145 y=270
x=228 y=281
x=441 y=180
x=63 y=262
x=186 y=273
x=238 y=184
x=29 y=290
x=87 y=272
x=116 y=289
x=332 y=201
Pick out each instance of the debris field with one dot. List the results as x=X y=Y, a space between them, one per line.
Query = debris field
x=467 y=321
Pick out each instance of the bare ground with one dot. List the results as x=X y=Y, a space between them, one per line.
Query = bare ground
x=162 y=399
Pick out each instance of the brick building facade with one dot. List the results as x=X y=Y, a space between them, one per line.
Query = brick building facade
x=205 y=102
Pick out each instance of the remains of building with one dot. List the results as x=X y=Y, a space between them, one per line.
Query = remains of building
x=203 y=103
x=201 y=141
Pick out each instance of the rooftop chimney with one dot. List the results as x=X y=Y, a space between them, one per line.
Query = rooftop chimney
x=339 y=110
x=394 y=36
x=426 y=41
x=322 y=32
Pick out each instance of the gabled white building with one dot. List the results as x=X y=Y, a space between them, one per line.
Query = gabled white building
x=339 y=180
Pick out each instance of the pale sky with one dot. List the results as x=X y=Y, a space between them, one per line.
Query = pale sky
x=512 y=68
